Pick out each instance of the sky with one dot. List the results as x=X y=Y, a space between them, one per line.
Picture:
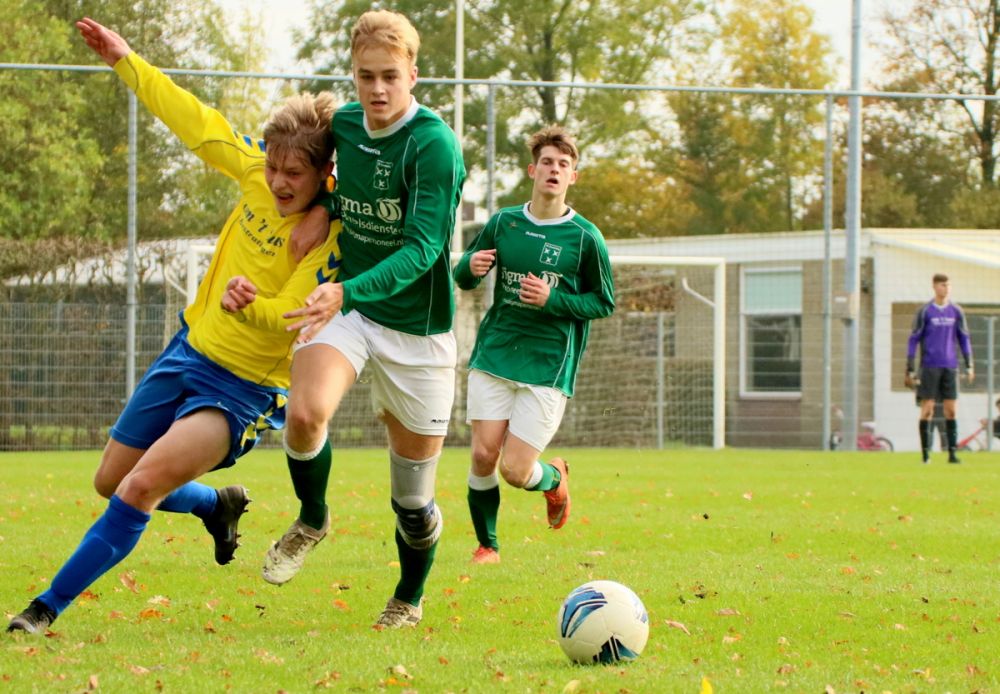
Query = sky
x=833 y=17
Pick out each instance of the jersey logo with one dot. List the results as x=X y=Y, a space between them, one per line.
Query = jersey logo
x=551 y=279
x=388 y=210
x=383 y=170
x=550 y=254
x=332 y=263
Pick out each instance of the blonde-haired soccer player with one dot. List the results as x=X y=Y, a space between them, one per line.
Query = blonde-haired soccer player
x=224 y=377
x=390 y=311
x=553 y=277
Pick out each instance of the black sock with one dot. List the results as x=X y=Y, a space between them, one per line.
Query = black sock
x=925 y=437
x=951 y=427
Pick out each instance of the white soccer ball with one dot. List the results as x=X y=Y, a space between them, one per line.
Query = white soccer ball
x=602 y=622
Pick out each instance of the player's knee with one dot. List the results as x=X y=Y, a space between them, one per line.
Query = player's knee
x=484 y=457
x=514 y=476
x=304 y=425
x=420 y=526
x=140 y=491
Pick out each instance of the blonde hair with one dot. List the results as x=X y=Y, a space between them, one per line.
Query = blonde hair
x=553 y=136
x=386 y=29
x=302 y=125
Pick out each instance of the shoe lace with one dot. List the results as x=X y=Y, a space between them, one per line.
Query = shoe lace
x=394 y=612
x=296 y=543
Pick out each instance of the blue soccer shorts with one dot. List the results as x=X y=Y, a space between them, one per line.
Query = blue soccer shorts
x=182 y=381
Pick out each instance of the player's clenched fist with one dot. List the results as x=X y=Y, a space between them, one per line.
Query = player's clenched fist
x=240 y=293
x=481 y=261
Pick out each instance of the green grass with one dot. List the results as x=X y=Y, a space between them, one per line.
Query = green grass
x=791 y=571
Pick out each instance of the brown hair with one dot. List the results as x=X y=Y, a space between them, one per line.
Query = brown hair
x=385 y=29
x=939 y=278
x=553 y=136
x=302 y=125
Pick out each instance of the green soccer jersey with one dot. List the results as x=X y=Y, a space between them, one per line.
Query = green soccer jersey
x=398 y=189
x=526 y=343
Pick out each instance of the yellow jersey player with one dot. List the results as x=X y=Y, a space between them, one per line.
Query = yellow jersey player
x=224 y=377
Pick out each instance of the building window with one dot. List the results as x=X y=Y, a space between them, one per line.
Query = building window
x=771 y=344
x=982 y=321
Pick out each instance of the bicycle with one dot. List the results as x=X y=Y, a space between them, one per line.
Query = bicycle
x=976 y=441
x=868 y=438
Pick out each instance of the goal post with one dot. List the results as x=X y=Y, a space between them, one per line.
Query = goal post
x=716 y=303
x=653 y=375
x=654 y=372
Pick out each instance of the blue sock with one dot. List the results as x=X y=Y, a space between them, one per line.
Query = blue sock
x=108 y=541
x=193 y=497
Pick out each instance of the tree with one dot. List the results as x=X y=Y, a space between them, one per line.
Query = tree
x=746 y=160
x=77 y=185
x=950 y=46
x=48 y=175
x=613 y=41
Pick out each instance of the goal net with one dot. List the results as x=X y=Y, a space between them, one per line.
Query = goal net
x=653 y=374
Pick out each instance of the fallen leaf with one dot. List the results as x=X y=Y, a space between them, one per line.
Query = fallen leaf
x=92 y=683
x=129 y=582
x=677 y=625
x=442 y=660
x=400 y=671
x=138 y=670
x=341 y=605
x=728 y=612
x=571 y=687
x=150 y=613
x=786 y=669
x=731 y=638
x=159 y=600
x=748 y=496
x=327 y=680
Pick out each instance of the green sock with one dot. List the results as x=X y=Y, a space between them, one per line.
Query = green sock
x=484 y=507
x=550 y=479
x=414 y=565
x=309 y=478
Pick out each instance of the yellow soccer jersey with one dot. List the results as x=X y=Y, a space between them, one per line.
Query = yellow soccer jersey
x=253 y=343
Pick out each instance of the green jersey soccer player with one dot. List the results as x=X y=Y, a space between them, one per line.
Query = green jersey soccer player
x=553 y=277
x=390 y=311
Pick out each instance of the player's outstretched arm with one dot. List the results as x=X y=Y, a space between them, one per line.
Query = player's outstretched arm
x=104 y=42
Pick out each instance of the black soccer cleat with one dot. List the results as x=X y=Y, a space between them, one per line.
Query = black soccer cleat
x=222 y=524
x=35 y=619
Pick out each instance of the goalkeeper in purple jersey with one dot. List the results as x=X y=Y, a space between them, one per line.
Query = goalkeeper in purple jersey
x=940 y=331
x=553 y=276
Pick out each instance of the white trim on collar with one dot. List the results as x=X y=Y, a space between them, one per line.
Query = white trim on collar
x=395 y=127
x=548 y=222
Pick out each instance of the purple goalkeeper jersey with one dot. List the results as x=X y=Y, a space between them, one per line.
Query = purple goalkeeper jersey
x=938 y=329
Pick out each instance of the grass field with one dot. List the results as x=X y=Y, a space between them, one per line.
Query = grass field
x=761 y=571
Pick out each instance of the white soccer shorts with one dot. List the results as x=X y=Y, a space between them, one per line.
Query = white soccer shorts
x=533 y=413
x=413 y=376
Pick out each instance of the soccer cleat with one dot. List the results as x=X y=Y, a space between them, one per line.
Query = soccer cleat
x=953 y=459
x=398 y=613
x=485 y=555
x=557 y=500
x=288 y=554
x=35 y=619
x=221 y=525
